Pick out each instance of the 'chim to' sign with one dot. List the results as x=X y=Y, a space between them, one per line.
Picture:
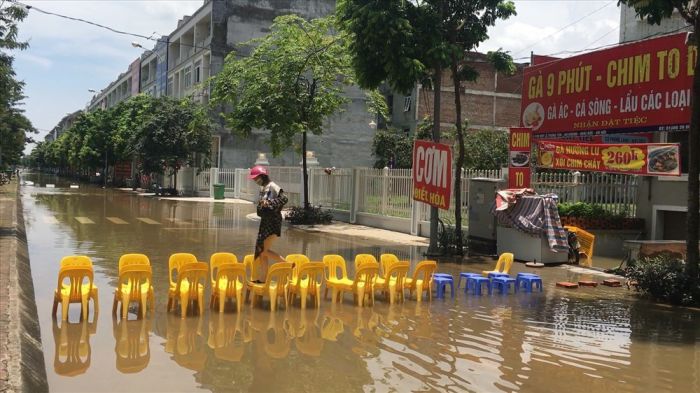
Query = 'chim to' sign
x=432 y=173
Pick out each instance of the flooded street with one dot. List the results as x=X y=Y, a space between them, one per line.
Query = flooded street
x=585 y=340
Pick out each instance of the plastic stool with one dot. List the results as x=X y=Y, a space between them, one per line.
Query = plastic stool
x=528 y=281
x=466 y=276
x=442 y=275
x=519 y=277
x=440 y=283
x=503 y=284
x=495 y=275
x=474 y=282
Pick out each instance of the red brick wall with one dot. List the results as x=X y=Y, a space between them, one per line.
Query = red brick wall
x=478 y=108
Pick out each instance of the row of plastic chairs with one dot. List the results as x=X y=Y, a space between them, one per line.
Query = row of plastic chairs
x=187 y=279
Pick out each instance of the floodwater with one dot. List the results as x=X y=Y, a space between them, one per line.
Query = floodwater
x=590 y=339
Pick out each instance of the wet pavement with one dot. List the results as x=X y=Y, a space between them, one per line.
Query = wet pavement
x=557 y=340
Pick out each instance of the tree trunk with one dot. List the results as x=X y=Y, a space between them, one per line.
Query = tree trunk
x=305 y=173
x=460 y=157
x=433 y=247
x=693 y=221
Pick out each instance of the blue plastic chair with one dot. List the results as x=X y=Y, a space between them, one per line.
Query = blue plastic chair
x=475 y=283
x=440 y=283
x=503 y=284
x=466 y=276
x=442 y=275
x=496 y=274
x=528 y=281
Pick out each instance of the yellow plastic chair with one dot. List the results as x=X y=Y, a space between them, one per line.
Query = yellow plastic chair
x=362 y=286
x=392 y=284
x=586 y=240
x=251 y=267
x=218 y=259
x=189 y=287
x=298 y=260
x=132 y=346
x=361 y=259
x=174 y=263
x=133 y=259
x=76 y=269
x=307 y=282
x=134 y=285
x=229 y=283
x=505 y=261
x=386 y=261
x=72 y=351
x=333 y=263
x=275 y=285
x=422 y=280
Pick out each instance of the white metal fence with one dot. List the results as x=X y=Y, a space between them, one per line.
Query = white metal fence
x=386 y=194
x=616 y=193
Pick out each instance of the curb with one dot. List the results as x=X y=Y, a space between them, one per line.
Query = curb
x=26 y=371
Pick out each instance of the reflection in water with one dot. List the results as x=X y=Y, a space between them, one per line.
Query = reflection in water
x=582 y=340
x=132 y=346
x=185 y=342
x=72 y=350
x=228 y=336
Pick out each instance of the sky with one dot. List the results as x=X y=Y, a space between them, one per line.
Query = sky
x=67 y=58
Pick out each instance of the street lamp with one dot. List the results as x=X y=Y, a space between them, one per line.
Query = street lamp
x=372 y=125
x=92 y=90
x=136 y=45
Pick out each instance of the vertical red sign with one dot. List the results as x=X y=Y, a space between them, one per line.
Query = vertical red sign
x=519 y=146
x=432 y=173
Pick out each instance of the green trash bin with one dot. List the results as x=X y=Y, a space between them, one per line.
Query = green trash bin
x=219 y=190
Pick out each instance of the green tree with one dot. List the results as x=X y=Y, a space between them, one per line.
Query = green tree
x=292 y=82
x=171 y=133
x=14 y=126
x=401 y=43
x=486 y=149
x=423 y=38
x=392 y=146
x=465 y=25
x=654 y=11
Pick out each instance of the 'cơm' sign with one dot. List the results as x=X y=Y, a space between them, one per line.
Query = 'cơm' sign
x=432 y=173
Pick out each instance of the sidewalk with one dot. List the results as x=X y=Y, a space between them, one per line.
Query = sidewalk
x=337 y=228
x=21 y=356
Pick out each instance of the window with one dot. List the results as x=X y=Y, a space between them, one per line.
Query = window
x=187 y=78
x=407 y=104
x=169 y=89
x=197 y=71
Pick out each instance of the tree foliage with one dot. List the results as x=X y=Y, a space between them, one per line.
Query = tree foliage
x=161 y=133
x=486 y=149
x=14 y=126
x=654 y=11
x=294 y=79
x=392 y=147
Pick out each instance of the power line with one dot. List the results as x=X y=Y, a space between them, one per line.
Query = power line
x=565 y=27
x=81 y=20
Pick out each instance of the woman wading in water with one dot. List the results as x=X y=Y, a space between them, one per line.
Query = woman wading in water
x=269 y=208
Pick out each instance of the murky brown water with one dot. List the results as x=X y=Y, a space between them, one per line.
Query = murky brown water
x=601 y=339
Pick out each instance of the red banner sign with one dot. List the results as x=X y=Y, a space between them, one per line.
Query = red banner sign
x=636 y=87
x=432 y=173
x=651 y=159
x=520 y=143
